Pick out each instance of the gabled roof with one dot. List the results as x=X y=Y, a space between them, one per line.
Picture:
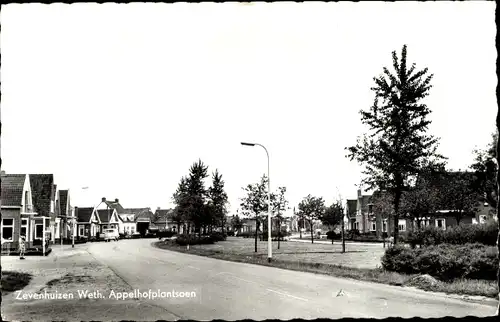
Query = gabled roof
x=42 y=192
x=139 y=212
x=351 y=206
x=63 y=201
x=12 y=189
x=104 y=215
x=125 y=218
x=163 y=215
x=115 y=205
x=84 y=214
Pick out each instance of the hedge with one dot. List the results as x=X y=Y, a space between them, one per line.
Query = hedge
x=184 y=240
x=444 y=261
x=165 y=234
x=486 y=234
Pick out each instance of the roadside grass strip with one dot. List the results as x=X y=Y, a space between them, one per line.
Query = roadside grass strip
x=14 y=281
x=378 y=275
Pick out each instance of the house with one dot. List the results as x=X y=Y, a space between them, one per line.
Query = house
x=88 y=223
x=163 y=219
x=143 y=218
x=43 y=192
x=19 y=216
x=65 y=219
x=129 y=220
x=360 y=214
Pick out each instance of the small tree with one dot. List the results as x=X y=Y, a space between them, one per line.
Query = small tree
x=255 y=202
x=424 y=197
x=396 y=145
x=180 y=199
x=279 y=206
x=218 y=200
x=333 y=215
x=312 y=209
x=236 y=223
x=300 y=220
x=459 y=196
x=485 y=168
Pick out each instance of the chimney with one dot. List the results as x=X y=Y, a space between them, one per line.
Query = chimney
x=359 y=192
x=103 y=199
x=116 y=200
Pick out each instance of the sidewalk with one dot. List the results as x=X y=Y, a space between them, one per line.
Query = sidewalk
x=336 y=242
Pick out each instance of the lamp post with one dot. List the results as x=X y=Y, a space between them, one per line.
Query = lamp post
x=269 y=245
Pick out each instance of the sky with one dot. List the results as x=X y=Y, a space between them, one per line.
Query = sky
x=121 y=99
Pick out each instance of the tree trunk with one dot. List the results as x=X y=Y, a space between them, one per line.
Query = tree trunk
x=397 y=198
x=343 y=236
x=256 y=232
x=498 y=203
x=312 y=232
x=300 y=230
x=279 y=232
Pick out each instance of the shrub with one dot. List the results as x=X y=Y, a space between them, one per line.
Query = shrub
x=333 y=235
x=248 y=234
x=184 y=240
x=218 y=236
x=465 y=233
x=444 y=261
x=165 y=234
x=230 y=233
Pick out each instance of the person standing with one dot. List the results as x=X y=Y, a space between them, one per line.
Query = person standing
x=22 y=247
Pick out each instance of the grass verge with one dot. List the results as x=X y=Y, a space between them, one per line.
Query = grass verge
x=14 y=281
x=378 y=275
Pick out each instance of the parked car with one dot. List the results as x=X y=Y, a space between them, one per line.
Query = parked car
x=110 y=234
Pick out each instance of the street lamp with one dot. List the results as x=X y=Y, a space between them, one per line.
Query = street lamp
x=269 y=245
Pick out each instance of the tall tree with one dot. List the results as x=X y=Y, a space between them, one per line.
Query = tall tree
x=218 y=199
x=196 y=208
x=485 y=167
x=312 y=209
x=396 y=144
x=180 y=199
x=279 y=205
x=333 y=215
x=254 y=204
x=498 y=201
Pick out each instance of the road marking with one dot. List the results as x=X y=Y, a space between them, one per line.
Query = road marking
x=295 y=297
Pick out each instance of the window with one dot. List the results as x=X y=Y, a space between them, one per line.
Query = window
x=24 y=227
x=370 y=208
x=384 y=226
x=8 y=229
x=132 y=230
x=441 y=223
x=402 y=225
x=81 y=231
x=374 y=226
x=39 y=231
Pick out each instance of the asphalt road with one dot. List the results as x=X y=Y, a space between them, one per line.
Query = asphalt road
x=224 y=290
x=227 y=290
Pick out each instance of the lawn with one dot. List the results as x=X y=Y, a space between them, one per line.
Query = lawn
x=358 y=256
x=14 y=281
x=360 y=262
